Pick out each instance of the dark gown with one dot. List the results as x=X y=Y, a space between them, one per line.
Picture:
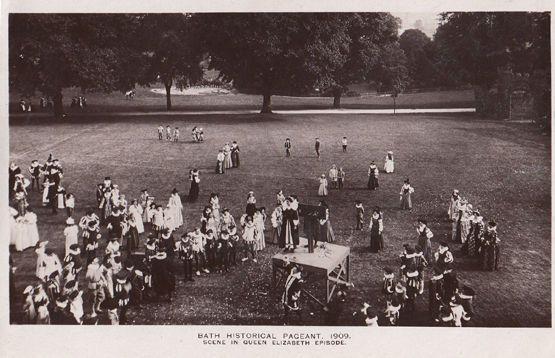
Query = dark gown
x=376 y=238
x=162 y=282
x=235 y=157
x=373 y=181
x=288 y=229
x=425 y=244
x=11 y=178
x=193 y=190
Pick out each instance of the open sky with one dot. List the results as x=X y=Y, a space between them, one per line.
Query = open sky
x=425 y=21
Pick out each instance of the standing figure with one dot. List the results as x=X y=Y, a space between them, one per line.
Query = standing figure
x=376 y=229
x=249 y=238
x=359 y=215
x=389 y=165
x=160 y=132
x=453 y=204
x=176 y=134
x=326 y=232
x=227 y=156
x=168 y=132
x=280 y=198
x=235 y=160
x=317 y=147
x=276 y=220
x=292 y=293
x=373 y=183
x=289 y=238
x=287 y=147
x=405 y=195
x=13 y=171
x=323 y=188
x=466 y=222
x=344 y=144
x=490 y=248
x=35 y=171
x=70 y=204
x=194 y=178
x=258 y=219
x=476 y=234
x=184 y=248
x=334 y=176
x=176 y=208
x=198 y=242
x=71 y=233
x=251 y=204
x=435 y=293
x=340 y=178
x=456 y=233
x=424 y=239
x=162 y=277
x=220 y=162
x=215 y=206
x=136 y=213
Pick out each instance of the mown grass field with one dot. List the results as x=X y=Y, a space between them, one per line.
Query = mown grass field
x=148 y=101
x=502 y=168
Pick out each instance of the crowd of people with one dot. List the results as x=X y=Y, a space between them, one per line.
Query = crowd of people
x=103 y=270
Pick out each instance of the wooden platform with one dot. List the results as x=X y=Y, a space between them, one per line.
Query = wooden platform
x=329 y=261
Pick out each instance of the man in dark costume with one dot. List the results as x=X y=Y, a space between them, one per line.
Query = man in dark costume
x=289 y=237
x=292 y=293
x=490 y=248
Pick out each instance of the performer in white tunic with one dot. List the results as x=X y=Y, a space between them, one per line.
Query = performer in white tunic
x=389 y=165
x=176 y=208
x=136 y=211
x=31 y=232
x=323 y=188
x=71 y=232
x=39 y=270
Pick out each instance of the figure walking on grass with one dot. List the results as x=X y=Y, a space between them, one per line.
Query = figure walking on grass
x=323 y=188
x=317 y=147
x=373 y=171
x=405 y=195
x=389 y=165
x=287 y=147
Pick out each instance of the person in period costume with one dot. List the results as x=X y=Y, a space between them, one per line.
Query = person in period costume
x=14 y=170
x=168 y=132
x=287 y=147
x=251 y=204
x=325 y=230
x=176 y=135
x=425 y=236
x=389 y=165
x=144 y=205
x=235 y=160
x=136 y=214
x=220 y=169
x=289 y=238
x=233 y=244
x=249 y=238
x=90 y=226
x=453 y=204
x=43 y=315
x=490 y=248
x=323 y=188
x=132 y=235
x=334 y=177
x=76 y=305
x=162 y=277
x=465 y=297
x=226 y=219
x=405 y=195
x=158 y=220
x=71 y=233
x=61 y=314
x=317 y=147
x=40 y=268
x=388 y=283
x=122 y=293
x=204 y=219
x=411 y=273
x=194 y=179
x=198 y=242
x=222 y=254
x=292 y=292
x=373 y=173
x=70 y=204
x=114 y=224
x=99 y=194
x=443 y=257
x=29 y=309
x=176 y=208
x=259 y=219
x=46 y=187
x=344 y=144
x=458 y=311
x=73 y=255
x=340 y=178
x=276 y=219
x=456 y=234
x=450 y=284
x=30 y=233
x=475 y=235
x=421 y=264
x=392 y=311
x=435 y=293
x=160 y=132
x=215 y=206
x=376 y=230
x=212 y=224
x=446 y=318
x=35 y=171
x=227 y=156
x=466 y=223
x=280 y=198
x=184 y=248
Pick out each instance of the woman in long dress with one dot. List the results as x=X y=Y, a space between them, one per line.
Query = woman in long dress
x=176 y=208
x=220 y=169
x=71 y=233
x=424 y=239
x=235 y=155
x=258 y=219
x=46 y=191
x=194 y=179
x=323 y=188
x=276 y=219
x=376 y=229
x=215 y=206
x=136 y=213
x=289 y=235
x=40 y=267
x=19 y=233
x=227 y=156
x=31 y=232
x=405 y=195
x=12 y=217
x=389 y=165
x=251 y=204
x=326 y=231
x=373 y=171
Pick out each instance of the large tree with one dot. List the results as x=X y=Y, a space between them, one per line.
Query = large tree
x=480 y=45
x=419 y=50
x=171 y=52
x=50 y=52
x=369 y=34
x=274 y=53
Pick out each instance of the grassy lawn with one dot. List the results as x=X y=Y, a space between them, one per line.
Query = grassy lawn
x=503 y=169
x=148 y=101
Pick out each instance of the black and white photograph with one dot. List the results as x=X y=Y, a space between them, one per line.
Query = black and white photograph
x=284 y=168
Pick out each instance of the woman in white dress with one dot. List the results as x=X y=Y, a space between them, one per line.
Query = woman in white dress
x=389 y=165
x=259 y=243
x=215 y=206
x=19 y=233
x=46 y=185
x=323 y=189
x=71 y=232
x=227 y=156
x=40 y=268
x=176 y=208
x=31 y=232
x=136 y=211
x=169 y=220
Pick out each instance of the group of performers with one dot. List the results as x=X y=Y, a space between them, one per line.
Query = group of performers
x=171 y=135
x=228 y=157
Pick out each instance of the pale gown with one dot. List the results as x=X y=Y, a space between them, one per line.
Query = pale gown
x=31 y=232
x=72 y=236
x=136 y=212
x=176 y=210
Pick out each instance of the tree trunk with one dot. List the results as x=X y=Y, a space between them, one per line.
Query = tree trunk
x=337 y=99
x=168 y=85
x=394 y=104
x=266 y=103
x=58 y=104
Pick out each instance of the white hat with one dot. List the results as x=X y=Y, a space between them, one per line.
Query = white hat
x=70 y=221
x=27 y=290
